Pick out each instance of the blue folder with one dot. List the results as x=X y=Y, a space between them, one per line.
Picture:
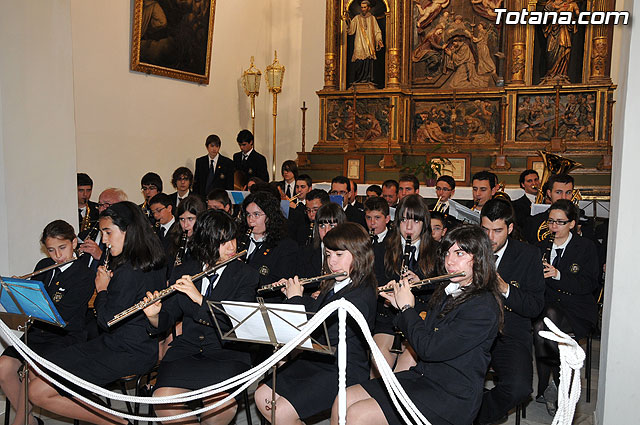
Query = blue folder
x=30 y=298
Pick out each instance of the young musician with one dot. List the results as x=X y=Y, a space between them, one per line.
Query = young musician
x=181 y=180
x=248 y=160
x=307 y=385
x=311 y=259
x=412 y=223
x=150 y=185
x=269 y=250
x=136 y=266
x=218 y=199
x=87 y=210
x=521 y=283
x=69 y=287
x=303 y=233
x=197 y=358
x=438 y=225
x=289 y=172
x=452 y=342
x=571 y=274
x=213 y=171
x=187 y=213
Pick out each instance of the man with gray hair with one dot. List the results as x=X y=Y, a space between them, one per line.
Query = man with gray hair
x=107 y=198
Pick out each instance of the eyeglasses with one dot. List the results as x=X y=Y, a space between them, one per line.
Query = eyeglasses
x=338 y=192
x=443 y=189
x=558 y=222
x=104 y=204
x=158 y=210
x=255 y=215
x=311 y=210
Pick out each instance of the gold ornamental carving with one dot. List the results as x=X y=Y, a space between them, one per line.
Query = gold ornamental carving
x=599 y=57
x=518 y=60
x=330 y=70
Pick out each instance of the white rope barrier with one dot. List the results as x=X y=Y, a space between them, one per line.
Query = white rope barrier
x=571 y=360
x=240 y=382
x=571 y=357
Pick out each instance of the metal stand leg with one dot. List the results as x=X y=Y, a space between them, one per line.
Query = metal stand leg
x=24 y=374
x=273 y=395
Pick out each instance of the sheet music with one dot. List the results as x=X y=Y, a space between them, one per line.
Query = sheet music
x=286 y=324
x=462 y=213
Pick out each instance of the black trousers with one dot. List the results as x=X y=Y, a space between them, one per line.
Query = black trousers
x=511 y=360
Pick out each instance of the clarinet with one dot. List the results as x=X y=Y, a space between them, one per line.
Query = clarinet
x=404 y=267
x=182 y=250
x=546 y=257
x=310 y=237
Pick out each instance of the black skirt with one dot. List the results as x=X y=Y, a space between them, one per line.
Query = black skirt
x=197 y=371
x=309 y=382
x=408 y=380
x=93 y=361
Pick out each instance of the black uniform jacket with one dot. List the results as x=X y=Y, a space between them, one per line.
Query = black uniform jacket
x=70 y=292
x=453 y=356
x=522 y=208
x=579 y=271
x=521 y=268
x=274 y=261
x=126 y=288
x=364 y=298
x=238 y=282
x=255 y=166
x=222 y=179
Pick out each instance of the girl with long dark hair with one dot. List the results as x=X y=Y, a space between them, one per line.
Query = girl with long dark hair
x=197 y=357
x=453 y=342
x=306 y=385
x=136 y=265
x=269 y=250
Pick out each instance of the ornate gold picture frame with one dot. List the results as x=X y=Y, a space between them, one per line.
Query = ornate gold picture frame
x=173 y=39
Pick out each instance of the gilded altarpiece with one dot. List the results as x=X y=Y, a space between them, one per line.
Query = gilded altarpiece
x=455 y=82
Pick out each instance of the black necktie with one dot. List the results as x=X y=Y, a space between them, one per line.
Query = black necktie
x=375 y=239
x=245 y=158
x=211 y=167
x=412 y=258
x=258 y=246
x=212 y=280
x=288 y=191
x=558 y=256
x=495 y=257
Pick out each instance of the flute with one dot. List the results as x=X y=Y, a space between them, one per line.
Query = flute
x=46 y=269
x=277 y=285
x=168 y=291
x=389 y=287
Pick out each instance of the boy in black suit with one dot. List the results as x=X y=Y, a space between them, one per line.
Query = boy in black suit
x=162 y=210
x=181 y=180
x=289 y=172
x=87 y=210
x=250 y=162
x=522 y=284
x=529 y=182
x=213 y=171
x=150 y=185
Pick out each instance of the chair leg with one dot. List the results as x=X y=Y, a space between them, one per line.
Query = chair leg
x=518 y=414
x=524 y=410
x=7 y=411
x=587 y=370
x=247 y=406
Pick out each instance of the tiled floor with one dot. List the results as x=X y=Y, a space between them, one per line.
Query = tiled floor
x=536 y=412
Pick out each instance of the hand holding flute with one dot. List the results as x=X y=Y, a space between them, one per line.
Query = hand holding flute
x=401 y=295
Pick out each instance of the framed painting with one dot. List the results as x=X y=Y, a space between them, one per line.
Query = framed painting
x=173 y=38
x=353 y=167
x=456 y=165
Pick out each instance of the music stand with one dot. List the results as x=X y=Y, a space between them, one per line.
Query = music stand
x=23 y=301
x=462 y=213
x=271 y=324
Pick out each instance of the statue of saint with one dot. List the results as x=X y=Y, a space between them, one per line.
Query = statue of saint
x=559 y=40
x=368 y=40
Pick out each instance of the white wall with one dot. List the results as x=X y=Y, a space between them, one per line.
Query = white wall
x=37 y=134
x=618 y=392
x=129 y=123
